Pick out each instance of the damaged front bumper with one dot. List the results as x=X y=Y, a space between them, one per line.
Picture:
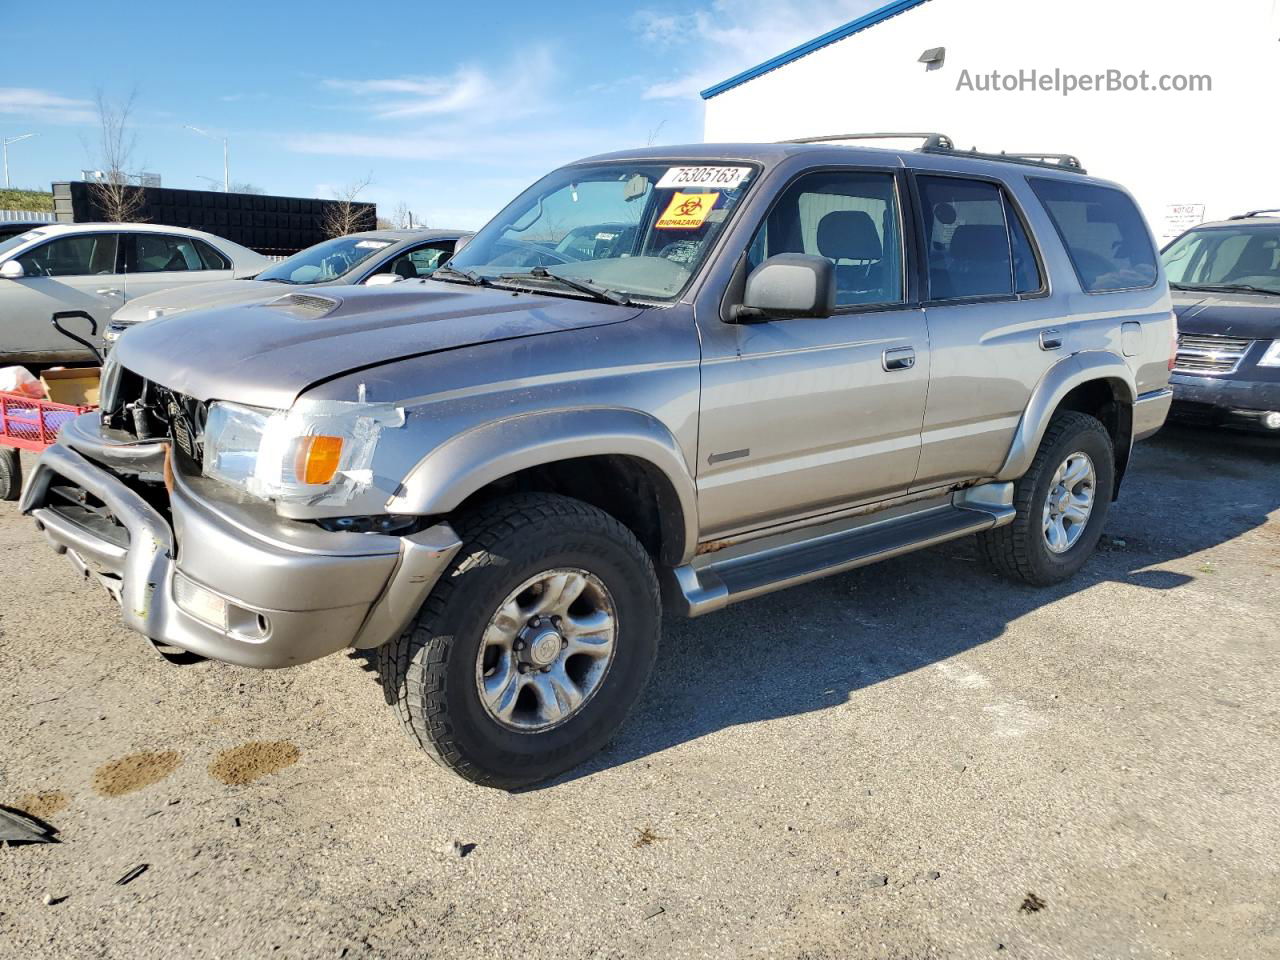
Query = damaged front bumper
x=223 y=577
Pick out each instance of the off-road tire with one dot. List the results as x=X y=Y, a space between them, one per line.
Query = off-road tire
x=1018 y=550
x=428 y=673
x=10 y=473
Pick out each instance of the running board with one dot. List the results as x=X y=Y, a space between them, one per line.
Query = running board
x=713 y=581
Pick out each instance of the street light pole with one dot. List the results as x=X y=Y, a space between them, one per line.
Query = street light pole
x=7 y=141
x=226 y=166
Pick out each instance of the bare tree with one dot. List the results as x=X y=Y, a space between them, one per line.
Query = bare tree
x=404 y=219
x=115 y=197
x=239 y=187
x=346 y=216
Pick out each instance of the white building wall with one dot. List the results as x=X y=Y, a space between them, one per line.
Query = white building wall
x=1216 y=148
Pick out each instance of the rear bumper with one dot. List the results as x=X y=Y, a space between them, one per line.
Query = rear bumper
x=291 y=592
x=1149 y=413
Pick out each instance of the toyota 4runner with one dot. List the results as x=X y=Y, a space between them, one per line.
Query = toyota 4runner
x=753 y=365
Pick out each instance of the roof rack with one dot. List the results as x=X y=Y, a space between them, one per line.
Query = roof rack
x=1252 y=213
x=942 y=144
x=938 y=141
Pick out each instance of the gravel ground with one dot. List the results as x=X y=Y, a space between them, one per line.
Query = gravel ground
x=913 y=760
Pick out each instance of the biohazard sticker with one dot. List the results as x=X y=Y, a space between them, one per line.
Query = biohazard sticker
x=687 y=211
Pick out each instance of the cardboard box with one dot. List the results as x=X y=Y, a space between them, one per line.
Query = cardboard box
x=77 y=386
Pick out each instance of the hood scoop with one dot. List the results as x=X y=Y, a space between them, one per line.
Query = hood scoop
x=305 y=306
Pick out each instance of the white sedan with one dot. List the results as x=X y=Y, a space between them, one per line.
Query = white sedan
x=97 y=268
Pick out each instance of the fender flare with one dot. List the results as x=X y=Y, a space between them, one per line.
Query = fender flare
x=471 y=460
x=1063 y=377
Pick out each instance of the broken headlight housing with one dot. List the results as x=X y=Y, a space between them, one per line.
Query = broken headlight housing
x=315 y=453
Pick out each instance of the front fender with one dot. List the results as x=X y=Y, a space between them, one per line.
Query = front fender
x=466 y=463
x=1063 y=377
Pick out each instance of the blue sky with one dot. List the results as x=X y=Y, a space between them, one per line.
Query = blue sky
x=451 y=108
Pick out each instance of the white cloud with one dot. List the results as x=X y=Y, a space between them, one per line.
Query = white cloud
x=45 y=106
x=725 y=37
x=519 y=87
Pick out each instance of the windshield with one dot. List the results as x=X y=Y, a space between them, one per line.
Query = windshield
x=12 y=243
x=632 y=229
x=1226 y=257
x=324 y=261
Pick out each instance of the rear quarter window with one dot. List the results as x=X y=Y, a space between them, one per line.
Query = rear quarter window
x=1105 y=235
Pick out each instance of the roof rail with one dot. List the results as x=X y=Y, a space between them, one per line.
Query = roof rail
x=942 y=144
x=939 y=141
x=1252 y=213
x=1063 y=161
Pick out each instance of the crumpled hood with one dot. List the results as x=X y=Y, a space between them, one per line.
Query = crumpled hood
x=1249 y=316
x=266 y=354
x=198 y=296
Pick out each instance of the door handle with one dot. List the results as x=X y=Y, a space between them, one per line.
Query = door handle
x=1050 y=339
x=108 y=292
x=899 y=358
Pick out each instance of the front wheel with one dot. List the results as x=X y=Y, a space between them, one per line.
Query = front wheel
x=1062 y=503
x=10 y=473
x=534 y=645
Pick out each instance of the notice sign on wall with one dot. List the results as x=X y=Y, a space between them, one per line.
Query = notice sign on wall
x=1179 y=218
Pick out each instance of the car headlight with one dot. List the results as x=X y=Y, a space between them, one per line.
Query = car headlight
x=1272 y=357
x=319 y=452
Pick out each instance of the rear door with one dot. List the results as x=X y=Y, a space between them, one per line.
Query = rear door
x=159 y=261
x=78 y=271
x=993 y=329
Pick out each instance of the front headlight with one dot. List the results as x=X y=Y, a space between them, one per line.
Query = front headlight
x=314 y=453
x=1272 y=357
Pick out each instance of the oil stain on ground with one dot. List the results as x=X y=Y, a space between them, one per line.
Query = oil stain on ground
x=43 y=805
x=127 y=774
x=253 y=761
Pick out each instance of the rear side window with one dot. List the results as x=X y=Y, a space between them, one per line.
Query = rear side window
x=160 y=253
x=211 y=258
x=977 y=244
x=1103 y=232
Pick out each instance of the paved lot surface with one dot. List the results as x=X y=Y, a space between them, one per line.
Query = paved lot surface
x=914 y=760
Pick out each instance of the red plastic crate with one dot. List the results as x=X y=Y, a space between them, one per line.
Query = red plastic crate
x=33 y=424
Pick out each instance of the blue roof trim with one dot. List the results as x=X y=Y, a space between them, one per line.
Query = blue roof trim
x=830 y=37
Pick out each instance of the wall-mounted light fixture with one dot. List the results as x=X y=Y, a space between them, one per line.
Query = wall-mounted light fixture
x=934 y=58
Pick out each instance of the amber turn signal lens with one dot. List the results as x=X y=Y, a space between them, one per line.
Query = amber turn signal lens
x=317 y=459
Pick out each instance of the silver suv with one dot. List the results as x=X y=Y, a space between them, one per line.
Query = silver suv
x=751 y=366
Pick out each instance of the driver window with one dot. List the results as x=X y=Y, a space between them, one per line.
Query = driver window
x=81 y=255
x=850 y=219
x=417 y=263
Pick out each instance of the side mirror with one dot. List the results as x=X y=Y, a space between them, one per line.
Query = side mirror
x=12 y=270
x=788 y=285
x=383 y=279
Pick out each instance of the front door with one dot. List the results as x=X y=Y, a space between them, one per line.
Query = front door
x=804 y=416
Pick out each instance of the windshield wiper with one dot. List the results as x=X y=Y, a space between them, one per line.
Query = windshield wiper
x=467 y=276
x=582 y=286
x=273 y=279
x=1225 y=288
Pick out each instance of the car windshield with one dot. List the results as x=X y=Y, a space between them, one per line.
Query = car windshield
x=12 y=243
x=324 y=261
x=630 y=229
x=1243 y=257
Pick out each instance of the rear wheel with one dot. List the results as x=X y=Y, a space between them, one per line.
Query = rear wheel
x=533 y=646
x=10 y=473
x=1062 y=503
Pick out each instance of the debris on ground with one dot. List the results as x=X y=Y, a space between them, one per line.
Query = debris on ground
x=646 y=836
x=1032 y=904
x=878 y=880
x=52 y=901
x=253 y=761
x=927 y=875
x=653 y=910
x=133 y=874
x=17 y=827
x=455 y=848
x=115 y=778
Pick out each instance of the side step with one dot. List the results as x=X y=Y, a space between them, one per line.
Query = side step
x=713 y=581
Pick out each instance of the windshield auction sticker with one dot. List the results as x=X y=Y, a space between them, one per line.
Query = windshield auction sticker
x=687 y=211
x=716 y=178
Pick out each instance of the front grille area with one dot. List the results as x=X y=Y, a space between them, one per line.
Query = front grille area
x=148 y=411
x=1200 y=354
